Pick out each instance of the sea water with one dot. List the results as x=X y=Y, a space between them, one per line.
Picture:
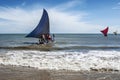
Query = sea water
x=69 y=52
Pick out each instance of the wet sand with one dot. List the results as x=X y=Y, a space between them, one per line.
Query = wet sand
x=27 y=73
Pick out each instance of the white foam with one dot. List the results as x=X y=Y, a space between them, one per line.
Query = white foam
x=63 y=60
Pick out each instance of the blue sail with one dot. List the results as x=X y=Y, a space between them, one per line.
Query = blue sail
x=42 y=27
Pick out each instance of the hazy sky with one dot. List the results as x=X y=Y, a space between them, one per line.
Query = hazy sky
x=66 y=16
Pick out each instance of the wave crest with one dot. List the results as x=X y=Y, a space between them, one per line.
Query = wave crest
x=91 y=60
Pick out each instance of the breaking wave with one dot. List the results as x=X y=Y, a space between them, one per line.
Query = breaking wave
x=84 y=60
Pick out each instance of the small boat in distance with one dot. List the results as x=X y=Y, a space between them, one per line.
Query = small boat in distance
x=115 y=33
x=42 y=31
x=105 y=31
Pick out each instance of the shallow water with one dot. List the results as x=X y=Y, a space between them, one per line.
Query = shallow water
x=75 y=51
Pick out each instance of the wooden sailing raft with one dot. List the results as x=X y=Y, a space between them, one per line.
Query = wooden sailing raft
x=42 y=30
x=105 y=32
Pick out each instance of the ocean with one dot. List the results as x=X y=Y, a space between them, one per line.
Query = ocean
x=69 y=51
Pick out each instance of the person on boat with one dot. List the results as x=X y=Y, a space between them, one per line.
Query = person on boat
x=45 y=38
x=42 y=39
x=48 y=38
x=39 y=40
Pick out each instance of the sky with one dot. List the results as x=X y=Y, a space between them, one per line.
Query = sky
x=66 y=16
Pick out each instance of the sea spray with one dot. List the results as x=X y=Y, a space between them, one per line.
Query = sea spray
x=82 y=60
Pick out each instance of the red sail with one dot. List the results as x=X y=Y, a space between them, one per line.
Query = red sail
x=105 y=31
